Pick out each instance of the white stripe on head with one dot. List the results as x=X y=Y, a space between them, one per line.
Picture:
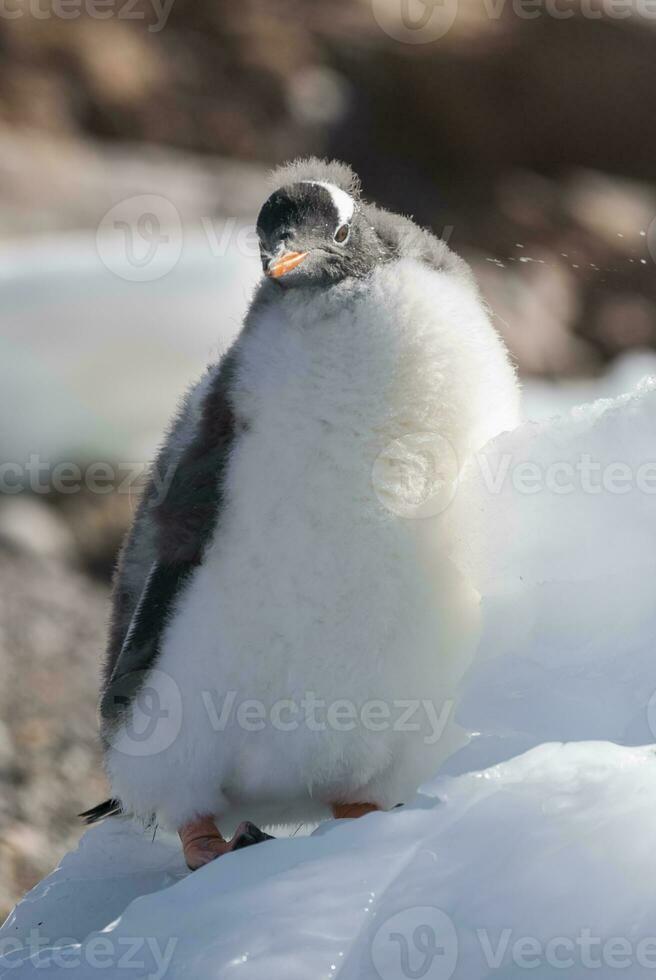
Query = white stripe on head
x=344 y=203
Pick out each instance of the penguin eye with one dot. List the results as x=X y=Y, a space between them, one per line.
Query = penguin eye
x=342 y=233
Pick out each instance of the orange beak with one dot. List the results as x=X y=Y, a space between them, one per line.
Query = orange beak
x=285 y=264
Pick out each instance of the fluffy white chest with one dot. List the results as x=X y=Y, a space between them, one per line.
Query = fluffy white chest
x=313 y=586
x=311 y=582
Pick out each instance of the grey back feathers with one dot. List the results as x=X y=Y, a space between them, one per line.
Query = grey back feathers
x=407 y=240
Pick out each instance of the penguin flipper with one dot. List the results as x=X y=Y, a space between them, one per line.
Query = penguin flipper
x=176 y=521
x=142 y=643
x=181 y=501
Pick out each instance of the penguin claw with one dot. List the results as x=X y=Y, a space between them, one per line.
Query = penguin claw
x=249 y=835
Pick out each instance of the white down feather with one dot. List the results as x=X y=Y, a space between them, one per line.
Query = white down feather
x=321 y=579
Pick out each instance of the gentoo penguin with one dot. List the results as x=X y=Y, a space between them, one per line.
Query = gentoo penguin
x=281 y=643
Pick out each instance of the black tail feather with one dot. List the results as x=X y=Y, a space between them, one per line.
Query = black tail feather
x=110 y=808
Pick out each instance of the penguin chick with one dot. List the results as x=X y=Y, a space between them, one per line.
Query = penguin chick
x=282 y=642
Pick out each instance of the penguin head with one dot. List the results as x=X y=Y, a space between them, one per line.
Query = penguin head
x=314 y=233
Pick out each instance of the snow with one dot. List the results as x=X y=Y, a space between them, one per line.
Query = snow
x=524 y=855
x=545 y=859
x=566 y=564
x=544 y=399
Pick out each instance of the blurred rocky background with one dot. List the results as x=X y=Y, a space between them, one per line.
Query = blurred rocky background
x=524 y=132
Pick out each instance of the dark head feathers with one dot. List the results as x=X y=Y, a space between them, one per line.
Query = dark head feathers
x=312 y=168
x=399 y=236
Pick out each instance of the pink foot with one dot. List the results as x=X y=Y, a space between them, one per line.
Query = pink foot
x=350 y=811
x=202 y=842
